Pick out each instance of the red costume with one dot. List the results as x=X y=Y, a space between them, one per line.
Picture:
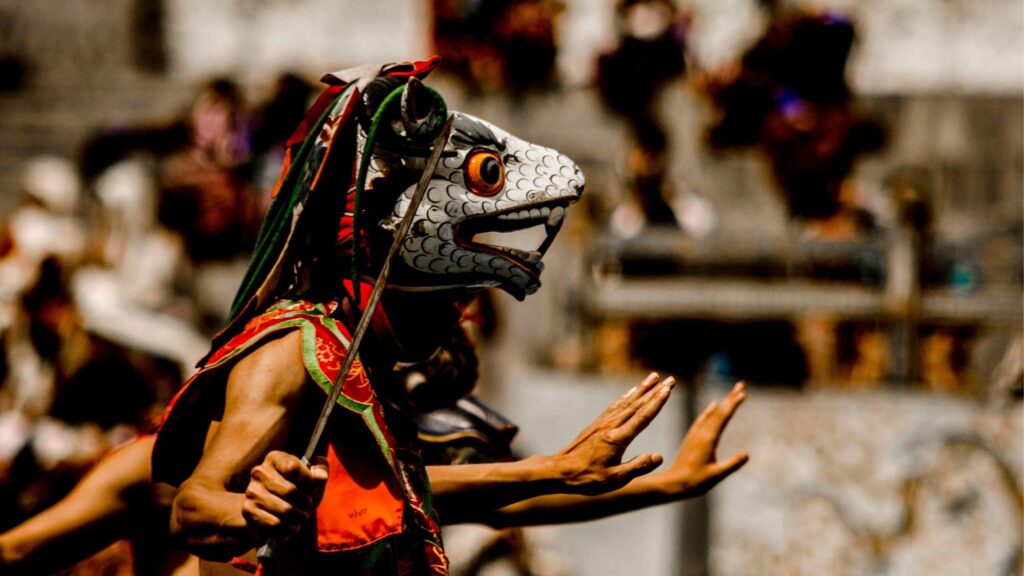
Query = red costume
x=375 y=515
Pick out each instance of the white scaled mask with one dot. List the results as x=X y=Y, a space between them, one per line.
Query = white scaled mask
x=488 y=181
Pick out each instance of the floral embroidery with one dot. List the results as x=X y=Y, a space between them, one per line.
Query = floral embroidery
x=329 y=355
x=324 y=354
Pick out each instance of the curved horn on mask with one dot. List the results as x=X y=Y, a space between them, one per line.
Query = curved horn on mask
x=423 y=111
x=409 y=114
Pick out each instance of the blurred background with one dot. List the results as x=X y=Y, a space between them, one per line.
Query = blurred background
x=822 y=198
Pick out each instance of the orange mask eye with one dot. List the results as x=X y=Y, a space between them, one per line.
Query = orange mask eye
x=485 y=173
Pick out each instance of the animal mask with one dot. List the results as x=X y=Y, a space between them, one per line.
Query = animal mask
x=488 y=181
x=363 y=147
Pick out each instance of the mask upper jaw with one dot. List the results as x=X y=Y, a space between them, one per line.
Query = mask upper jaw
x=442 y=251
x=444 y=256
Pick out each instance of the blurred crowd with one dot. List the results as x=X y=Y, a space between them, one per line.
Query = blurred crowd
x=114 y=269
x=786 y=97
x=786 y=103
x=116 y=266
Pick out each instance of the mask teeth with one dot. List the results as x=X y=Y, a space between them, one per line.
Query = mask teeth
x=554 y=221
x=552 y=225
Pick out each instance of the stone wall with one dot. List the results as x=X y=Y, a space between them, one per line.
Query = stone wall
x=871 y=484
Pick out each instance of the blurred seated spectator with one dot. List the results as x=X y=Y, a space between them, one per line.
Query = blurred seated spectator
x=274 y=121
x=631 y=77
x=204 y=167
x=44 y=337
x=44 y=224
x=215 y=169
x=205 y=195
x=67 y=399
x=507 y=45
x=526 y=36
x=137 y=296
x=204 y=178
x=788 y=96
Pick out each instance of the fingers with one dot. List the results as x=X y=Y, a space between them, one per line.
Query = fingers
x=721 y=470
x=291 y=469
x=649 y=383
x=703 y=416
x=614 y=414
x=270 y=515
x=318 y=468
x=283 y=493
x=712 y=474
x=649 y=392
x=320 y=471
x=275 y=483
x=732 y=401
x=641 y=388
x=627 y=402
x=265 y=524
x=642 y=415
x=638 y=466
x=719 y=417
x=285 y=511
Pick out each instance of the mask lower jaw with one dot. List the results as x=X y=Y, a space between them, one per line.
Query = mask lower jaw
x=410 y=280
x=516 y=291
x=453 y=286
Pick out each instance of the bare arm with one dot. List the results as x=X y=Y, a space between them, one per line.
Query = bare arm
x=694 y=471
x=218 y=521
x=244 y=490
x=91 y=517
x=591 y=464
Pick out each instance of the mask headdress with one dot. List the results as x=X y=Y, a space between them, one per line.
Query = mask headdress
x=405 y=120
x=364 y=143
x=325 y=133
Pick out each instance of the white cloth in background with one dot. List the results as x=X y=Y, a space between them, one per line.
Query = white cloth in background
x=39 y=234
x=15 y=428
x=124 y=303
x=31 y=380
x=108 y=311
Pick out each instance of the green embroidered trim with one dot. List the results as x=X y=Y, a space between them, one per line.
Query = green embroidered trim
x=277 y=225
x=364 y=166
x=256 y=338
x=318 y=376
x=374 y=552
x=332 y=325
x=282 y=304
x=371 y=422
x=313 y=367
x=302 y=320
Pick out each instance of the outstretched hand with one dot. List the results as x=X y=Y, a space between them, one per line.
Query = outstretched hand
x=696 y=469
x=592 y=463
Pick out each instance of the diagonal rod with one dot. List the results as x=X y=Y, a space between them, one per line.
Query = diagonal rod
x=268 y=551
x=378 y=287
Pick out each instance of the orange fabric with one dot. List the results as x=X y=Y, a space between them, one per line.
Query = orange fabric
x=245 y=565
x=362 y=502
